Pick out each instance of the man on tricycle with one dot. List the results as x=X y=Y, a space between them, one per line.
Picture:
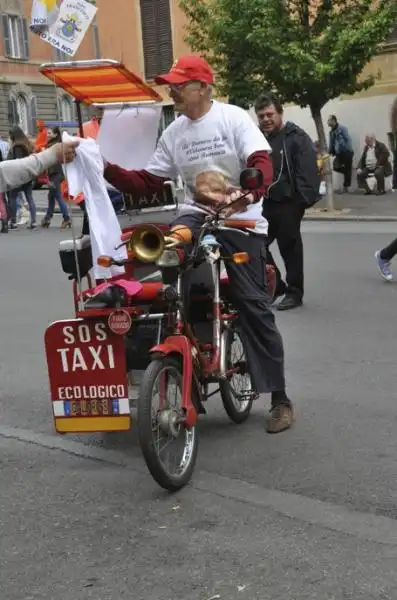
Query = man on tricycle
x=208 y=146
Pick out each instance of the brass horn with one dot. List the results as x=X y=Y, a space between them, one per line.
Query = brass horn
x=147 y=243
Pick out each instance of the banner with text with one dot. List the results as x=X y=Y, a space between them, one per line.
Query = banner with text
x=72 y=22
x=44 y=14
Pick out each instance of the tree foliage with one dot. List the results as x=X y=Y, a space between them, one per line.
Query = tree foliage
x=309 y=51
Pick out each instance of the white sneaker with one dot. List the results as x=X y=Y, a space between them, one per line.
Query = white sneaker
x=23 y=217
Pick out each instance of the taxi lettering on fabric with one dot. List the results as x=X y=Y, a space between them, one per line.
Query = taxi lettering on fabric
x=88 y=379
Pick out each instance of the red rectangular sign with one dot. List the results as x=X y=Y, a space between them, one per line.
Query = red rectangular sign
x=86 y=361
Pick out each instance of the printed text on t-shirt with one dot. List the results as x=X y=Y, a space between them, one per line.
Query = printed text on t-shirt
x=214 y=146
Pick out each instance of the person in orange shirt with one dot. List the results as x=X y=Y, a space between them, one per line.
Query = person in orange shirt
x=41 y=140
x=91 y=128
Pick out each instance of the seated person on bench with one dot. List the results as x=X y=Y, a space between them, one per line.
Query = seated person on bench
x=374 y=161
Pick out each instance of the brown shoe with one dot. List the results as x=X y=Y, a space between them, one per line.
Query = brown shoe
x=280 y=418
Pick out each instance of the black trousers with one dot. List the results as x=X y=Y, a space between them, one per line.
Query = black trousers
x=379 y=174
x=389 y=251
x=343 y=163
x=285 y=220
x=262 y=339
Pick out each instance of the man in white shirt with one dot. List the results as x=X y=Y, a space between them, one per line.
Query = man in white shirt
x=210 y=141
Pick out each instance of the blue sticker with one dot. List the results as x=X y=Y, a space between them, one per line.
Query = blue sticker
x=67 y=407
x=115 y=407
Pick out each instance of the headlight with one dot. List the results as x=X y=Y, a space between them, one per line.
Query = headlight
x=169 y=258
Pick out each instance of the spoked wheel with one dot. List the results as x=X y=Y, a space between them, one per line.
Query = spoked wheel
x=236 y=391
x=169 y=449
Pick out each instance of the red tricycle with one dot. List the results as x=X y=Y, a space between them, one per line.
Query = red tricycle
x=167 y=324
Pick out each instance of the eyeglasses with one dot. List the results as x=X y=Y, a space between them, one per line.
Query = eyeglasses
x=181 y=86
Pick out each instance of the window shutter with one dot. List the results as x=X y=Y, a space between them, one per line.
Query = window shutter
x=33 y=116
x=13 y=117
x=25 y=36
x=169 y=115
x=59 y=108
x=156 y=36
x=7 y=41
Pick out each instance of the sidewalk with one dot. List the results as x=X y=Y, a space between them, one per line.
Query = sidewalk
x=354 y=206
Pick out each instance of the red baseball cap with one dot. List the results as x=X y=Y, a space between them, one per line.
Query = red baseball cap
x=185 y=69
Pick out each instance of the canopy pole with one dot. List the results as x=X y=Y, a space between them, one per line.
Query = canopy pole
x=79 y=117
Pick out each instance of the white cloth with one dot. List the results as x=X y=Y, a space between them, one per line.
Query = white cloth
x=85 y=174
x=221 y=141
x=128 y=137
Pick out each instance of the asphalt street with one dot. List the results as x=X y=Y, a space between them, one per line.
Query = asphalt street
x=307 y=514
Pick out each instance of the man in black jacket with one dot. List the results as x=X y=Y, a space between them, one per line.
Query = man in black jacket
x=295 y=187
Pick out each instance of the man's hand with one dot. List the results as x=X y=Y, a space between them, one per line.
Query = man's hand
x=235 y=203
x=66 y=151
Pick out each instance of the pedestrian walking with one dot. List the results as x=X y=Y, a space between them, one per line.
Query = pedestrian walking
x=56 y=176
x=341 y=147
x=20 y=148
x=295 y=187
x=383 y=259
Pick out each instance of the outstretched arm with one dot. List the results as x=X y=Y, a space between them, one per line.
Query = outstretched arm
x=144 y=182
x=137 y=183
x=14 y=173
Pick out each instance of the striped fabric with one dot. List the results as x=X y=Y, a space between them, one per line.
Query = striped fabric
x=100 y=84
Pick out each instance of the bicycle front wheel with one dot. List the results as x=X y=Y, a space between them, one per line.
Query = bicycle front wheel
x=168 y=447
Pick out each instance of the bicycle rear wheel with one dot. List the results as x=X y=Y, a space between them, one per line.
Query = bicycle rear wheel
x=237 y=392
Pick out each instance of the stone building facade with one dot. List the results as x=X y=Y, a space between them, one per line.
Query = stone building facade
x=146 y=35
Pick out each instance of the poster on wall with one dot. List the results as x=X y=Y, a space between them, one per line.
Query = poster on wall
x=70 y=26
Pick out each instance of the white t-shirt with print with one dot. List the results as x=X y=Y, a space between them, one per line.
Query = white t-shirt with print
x=222 y=140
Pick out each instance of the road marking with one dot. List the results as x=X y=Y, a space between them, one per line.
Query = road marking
x=366 y=526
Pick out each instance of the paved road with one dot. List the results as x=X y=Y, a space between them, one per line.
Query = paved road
x=309 y=514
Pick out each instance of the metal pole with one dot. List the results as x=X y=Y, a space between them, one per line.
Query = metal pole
x=79 y=117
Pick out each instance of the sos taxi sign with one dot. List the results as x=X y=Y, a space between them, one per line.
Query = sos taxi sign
x=88 y=380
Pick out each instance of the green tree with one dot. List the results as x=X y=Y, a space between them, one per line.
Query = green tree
x=308 y=51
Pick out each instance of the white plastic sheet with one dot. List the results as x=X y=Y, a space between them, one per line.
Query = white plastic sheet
x=128 y=136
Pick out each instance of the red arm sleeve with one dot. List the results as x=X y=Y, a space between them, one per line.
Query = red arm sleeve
x=262 y=161
x=137 y=183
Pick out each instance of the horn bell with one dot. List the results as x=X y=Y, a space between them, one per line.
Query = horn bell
x=147 y=243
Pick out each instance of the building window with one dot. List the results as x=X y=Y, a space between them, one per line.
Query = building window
x=16 y=37
x=156 y=36
x=167 y=116
x=23 y=113
x=66 y=109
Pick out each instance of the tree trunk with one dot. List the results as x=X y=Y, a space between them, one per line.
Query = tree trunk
x=317 y=118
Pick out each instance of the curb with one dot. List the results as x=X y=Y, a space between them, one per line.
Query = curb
x=322 y=217
x=356 y=218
